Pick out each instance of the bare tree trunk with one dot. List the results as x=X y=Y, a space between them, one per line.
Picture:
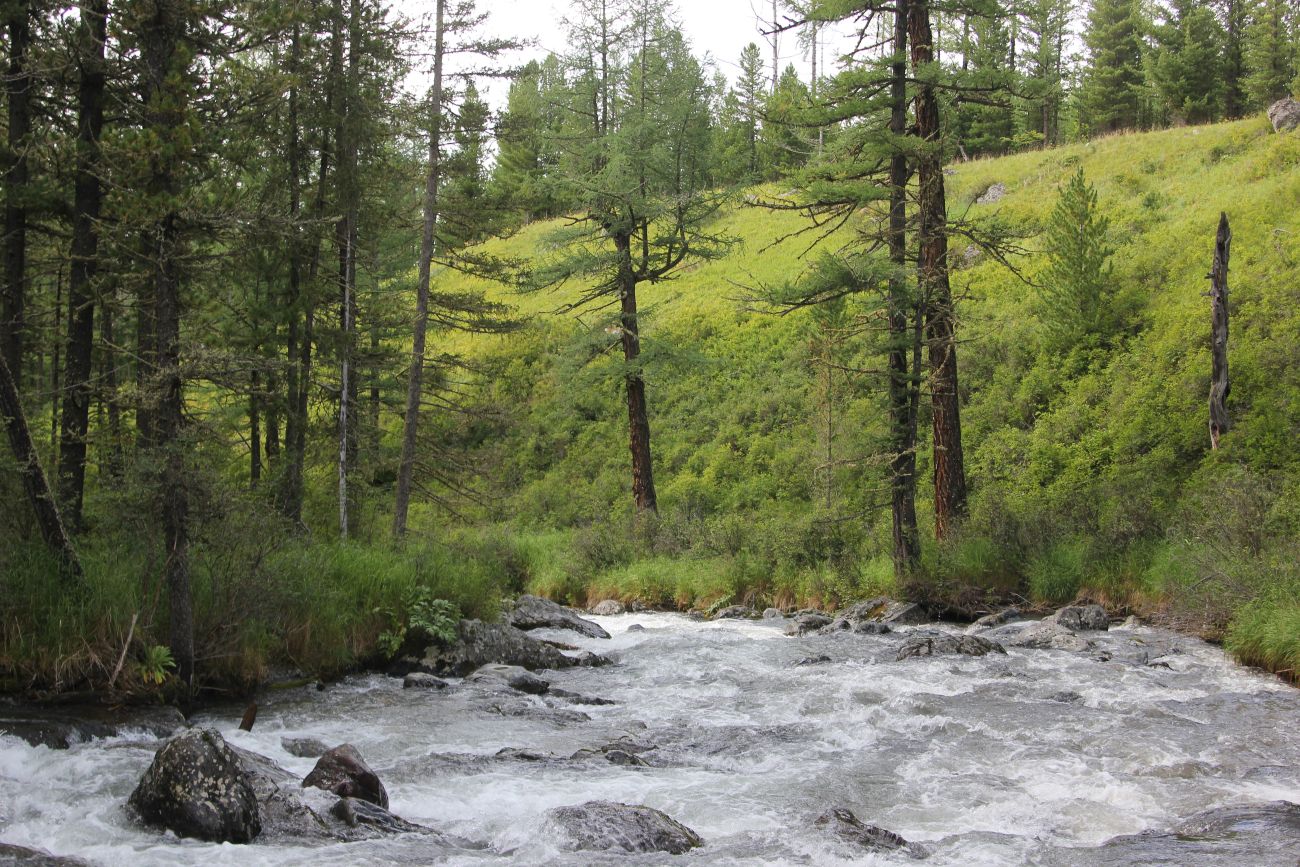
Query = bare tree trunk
x=114 y=460
x=18 y=89
x=949 y=466
x=254 y=428
x=415 y=381
x=35 y=484
x=643 y=483
x=296 y=344
x=901 y=308
x=1219 y=386
x=87 y=199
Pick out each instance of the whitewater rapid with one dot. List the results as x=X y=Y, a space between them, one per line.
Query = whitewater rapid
x=1035 y=757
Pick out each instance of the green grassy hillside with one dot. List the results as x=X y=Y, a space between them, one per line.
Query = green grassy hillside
x=1091 y=470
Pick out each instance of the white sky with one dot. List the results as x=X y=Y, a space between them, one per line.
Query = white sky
x=719 y=28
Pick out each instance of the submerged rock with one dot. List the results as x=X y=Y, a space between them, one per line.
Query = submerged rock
x=514 y=676
x=579 y=698
x=356 y=813
x=849 y=828
x=343 y=772
x=636 y=627
x=304 y=748
x=423 y=680
x=481 y=643
x=607 y=608
x=21 y=856
x=606 y=825
x=736 y=612
x=1038 y=635
x=1081 y=618
x=814 y=660
x=935 y=644
x=61 y=728
x=534 y=612
x=879 y=610
x=196 y=786
x=998 y=618
x=1234 y=835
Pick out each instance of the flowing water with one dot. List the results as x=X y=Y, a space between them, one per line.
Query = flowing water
x=1036 y=757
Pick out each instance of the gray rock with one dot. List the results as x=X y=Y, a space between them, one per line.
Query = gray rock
x=534 y=612
x=579 y=698
x=423 y=680
x=843 y=824
x=998 y=618
x=1081 y=618
x=992 y=195
x=606 y=825
x=1233 y=835
x=607 y=608
x=871 y=627
x=304 y=748
x=21 y=856
x=941 y=643
x=1284 y=114
x=814 y=660
x=281 y=802
x=636 y=627
x=60 y=728
x=772 y=614
x=880 y=609
x=356 y=813
x=1065 y=697
x=1042 y=635
x=343 y=772
x=514 y=676
x=480 y=643
x=805 y=623
x=196 y=786
x=736 y=612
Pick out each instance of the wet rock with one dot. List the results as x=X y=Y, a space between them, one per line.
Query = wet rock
x=607 y=608
x=606 y=825
x=1284 y=114
x=579 y=698
x=357 y=813
x=541 y=713
x=993 y=194
x=849 y=828
x=423 y=680
x=1065 y=697
x=534 y=612
x=871 y=627
x=1039 y=635
x=636 y=627
x=304 y=748
x=805 y=623
x=514 y=754
x=998 y=618
x=936 y=644
x=1130 y=622
x=343 y=772
x=60 y=728
x=1081 y=618
x=513 y=676
x=281 y=802
x=880 y=609
x=1234 y=835
x=736 y=612
x=814 y=660
x=196 y=786
x=480 y=643
x=21 y=856
x=772 y=614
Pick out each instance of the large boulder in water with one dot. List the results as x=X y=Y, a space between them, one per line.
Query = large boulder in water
x=802 y=624
x=196 y=787
x=479 y=643
x=1038 y=635
x=21 y=856
x=534 y=612
x=343 y=772
x=1284 y=114
x=941 y=643
x=1081 y=618
x=843 y=824
x=605 y=825
x=1233 y=835
x=607 y=608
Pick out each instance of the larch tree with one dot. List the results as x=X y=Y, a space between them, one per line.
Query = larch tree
x=1113 y=78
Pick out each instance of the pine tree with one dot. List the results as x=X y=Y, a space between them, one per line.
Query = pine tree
x=1188 y=66
x=1114 y=77
x=987 y=126
x=1077 y=283
x=1044 y=24
x=787 y=142
x=1270 y=52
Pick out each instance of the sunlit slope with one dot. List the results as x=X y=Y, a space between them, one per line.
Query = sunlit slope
x=1104 y=440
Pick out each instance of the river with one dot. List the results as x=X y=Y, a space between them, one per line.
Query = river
x=1035 y=757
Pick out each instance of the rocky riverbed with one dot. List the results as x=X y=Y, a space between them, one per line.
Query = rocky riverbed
x=773 y=740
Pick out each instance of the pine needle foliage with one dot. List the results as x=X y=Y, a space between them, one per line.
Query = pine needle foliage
x=1076 y=285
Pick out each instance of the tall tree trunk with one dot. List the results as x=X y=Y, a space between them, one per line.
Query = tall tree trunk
x=901 y=309
x=949 y=466
x=35 y=484
x=295 y=420
x=18 y=89
x=254 y=428
x=415 y=377
x=1219 y=386
x=87 y=198
x=346 y=242
x=271 y=423
x=166 y=65
x=638 y=420
x=113 y=458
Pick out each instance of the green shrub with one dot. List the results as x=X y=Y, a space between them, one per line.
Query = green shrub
x=1056 y=573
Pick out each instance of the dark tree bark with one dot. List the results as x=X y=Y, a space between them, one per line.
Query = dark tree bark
x=254 y=428
x=35 y=484
x=941 y=347
x=18 y=90
x=346 y=243
x=112 y=456
x=901 y=309
x=87 y=199
x=296 y=345
x=166 y=99
x=1219 y=386
x=638 y=420
x=415 y=380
